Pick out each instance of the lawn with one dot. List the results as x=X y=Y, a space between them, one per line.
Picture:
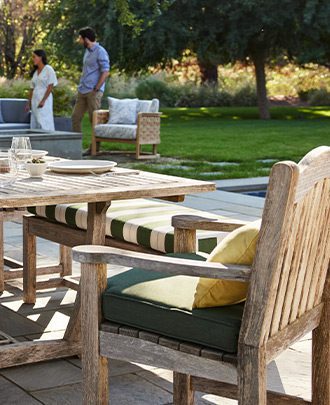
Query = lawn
x=200 y=138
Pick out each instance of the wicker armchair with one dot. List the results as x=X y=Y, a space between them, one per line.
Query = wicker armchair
x=147 y=133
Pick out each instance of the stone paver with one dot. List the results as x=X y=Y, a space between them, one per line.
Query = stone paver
x=59 y=382
x=43 y=375
x=11 y=394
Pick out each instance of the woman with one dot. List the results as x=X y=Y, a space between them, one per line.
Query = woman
x=41 y=98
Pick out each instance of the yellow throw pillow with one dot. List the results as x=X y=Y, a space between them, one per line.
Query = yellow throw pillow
x=238 y=247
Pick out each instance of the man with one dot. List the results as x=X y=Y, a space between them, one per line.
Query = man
x=96 y=66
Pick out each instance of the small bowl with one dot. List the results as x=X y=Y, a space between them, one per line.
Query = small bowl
x=36 y=169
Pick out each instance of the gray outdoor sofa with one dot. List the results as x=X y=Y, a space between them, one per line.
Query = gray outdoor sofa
x=13 y=114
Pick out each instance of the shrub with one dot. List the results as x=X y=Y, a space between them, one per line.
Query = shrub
x=153 y=88
x=64 y=97
x=64 y=93
x=201 y=96
x=121 y=86
x=246 y=96
x=192 y=95
x=18 y=88
x=319 y=97
x=305 y=95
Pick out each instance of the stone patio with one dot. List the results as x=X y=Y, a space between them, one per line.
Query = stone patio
x=59 y=381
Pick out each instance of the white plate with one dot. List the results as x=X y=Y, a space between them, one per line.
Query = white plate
x=38 y=154
x=82 y=166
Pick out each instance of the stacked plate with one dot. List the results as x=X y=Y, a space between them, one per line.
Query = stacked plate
x=82 y=166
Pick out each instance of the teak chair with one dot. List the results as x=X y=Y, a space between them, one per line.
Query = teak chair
x=289 y=296
x=147 y=133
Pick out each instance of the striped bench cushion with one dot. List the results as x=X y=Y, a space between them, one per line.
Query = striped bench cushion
x=140 y=221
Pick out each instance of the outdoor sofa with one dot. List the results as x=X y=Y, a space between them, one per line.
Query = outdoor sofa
x=13 y=114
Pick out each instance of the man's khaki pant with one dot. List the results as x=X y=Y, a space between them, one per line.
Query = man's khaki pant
x=85 y=102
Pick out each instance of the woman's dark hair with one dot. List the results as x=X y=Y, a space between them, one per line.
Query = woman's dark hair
x=87 y=32
x=43 y=55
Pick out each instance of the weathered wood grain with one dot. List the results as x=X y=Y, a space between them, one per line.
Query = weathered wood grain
x=231 y=391
x=30 y=352
x=63 y=188
x=252 y=380
x=321 y=353
x=137 y=350
x=95 y=234
x=209 y=224
x=170 y=265
x=293 y=332
x=29 y=264
x=95 y=370
x=65 y=260
x=183 y=393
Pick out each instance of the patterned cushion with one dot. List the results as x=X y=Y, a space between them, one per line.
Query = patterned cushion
x=122 y=111
x=142 y=222
x=115 y=131
x=148 y=105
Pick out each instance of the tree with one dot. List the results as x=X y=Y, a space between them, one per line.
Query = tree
x=227 y=31
x=19 y=30
x=140 y=34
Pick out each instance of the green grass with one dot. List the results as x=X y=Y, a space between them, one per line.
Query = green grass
x=197 y=136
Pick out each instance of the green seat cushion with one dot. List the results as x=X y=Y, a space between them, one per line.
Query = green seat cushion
x=139 y=221
x=162 y=304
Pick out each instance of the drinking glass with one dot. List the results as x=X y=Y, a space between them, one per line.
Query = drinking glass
x=21 y=149
x=8 y=168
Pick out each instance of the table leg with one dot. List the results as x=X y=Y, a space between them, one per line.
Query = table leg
x=96 y=224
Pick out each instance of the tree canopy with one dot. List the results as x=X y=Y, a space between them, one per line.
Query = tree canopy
x=139 y=34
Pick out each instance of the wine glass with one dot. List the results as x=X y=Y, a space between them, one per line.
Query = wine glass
x=8 y=168
x=22 y=150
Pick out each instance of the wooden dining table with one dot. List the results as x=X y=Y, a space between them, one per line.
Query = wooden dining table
x=98 y=190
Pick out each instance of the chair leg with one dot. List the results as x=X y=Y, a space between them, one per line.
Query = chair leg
x=183 y=393
x=137 y=151
x=95 y=367
x=66 y=260
x=321 y=356
x=252 y=380
x=29 y=264
x=154 y=149
x=93 y=146
x=2 y=262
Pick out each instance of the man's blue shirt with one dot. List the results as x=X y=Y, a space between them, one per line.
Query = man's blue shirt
x=96 y=61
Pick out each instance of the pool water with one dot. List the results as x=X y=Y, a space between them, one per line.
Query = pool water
x=260 y=193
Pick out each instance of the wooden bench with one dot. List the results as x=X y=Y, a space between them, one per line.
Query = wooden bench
x=142 y=225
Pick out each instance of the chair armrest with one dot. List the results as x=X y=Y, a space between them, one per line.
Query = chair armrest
x=195 y=222
x=148 y=128
x=170 y=265
x=100 y=117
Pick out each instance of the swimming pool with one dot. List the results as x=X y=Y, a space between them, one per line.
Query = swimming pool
x=256 y=193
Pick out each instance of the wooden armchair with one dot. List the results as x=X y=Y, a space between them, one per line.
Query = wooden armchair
x=147 y=133
x=289 y=296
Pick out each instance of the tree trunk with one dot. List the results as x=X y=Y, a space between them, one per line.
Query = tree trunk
x=259 y=67
x=209 y=73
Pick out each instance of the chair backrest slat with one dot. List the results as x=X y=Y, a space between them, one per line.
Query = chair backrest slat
x=293 y=251
x=287 y=278
x=319 y=221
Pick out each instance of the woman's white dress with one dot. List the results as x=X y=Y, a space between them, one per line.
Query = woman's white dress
x=42 y=118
